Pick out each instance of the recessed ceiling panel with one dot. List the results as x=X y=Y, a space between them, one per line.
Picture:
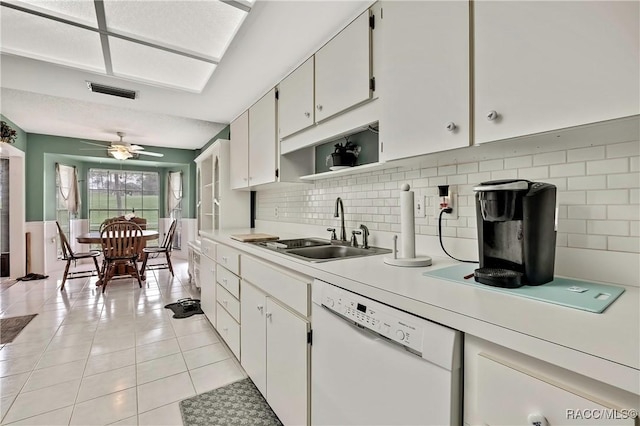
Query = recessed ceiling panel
x=157 y=66
x=81 y=11
x=205 y=27
x=45 y=39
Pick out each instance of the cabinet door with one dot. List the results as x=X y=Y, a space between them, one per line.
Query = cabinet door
x=208 y=288
x=343 y=69
x=424 y=73
x=239 y=152
x=287 y=364
x=263 y=140
x=295 y=100
x=253 y=335
x=549 y=65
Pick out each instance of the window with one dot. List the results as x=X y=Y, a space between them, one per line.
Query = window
x=118 y=192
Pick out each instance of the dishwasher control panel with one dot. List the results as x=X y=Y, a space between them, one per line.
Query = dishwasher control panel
x=388 y=322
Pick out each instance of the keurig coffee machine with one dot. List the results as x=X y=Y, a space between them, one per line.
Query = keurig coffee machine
x=516 y=232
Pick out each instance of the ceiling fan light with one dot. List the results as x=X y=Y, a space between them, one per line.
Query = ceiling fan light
x=120 y=155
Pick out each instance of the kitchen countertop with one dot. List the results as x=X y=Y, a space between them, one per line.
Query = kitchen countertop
x=605 y=347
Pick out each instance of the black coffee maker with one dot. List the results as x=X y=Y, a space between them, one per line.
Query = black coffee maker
x=516 y=232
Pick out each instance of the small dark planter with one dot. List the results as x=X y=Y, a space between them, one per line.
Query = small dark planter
x=343 y=159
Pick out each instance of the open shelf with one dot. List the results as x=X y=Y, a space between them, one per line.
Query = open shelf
x=343 y=172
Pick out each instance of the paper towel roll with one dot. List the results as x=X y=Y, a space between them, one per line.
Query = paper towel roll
x=407 y=224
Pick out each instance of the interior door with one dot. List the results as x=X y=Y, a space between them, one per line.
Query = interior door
x=253 y=335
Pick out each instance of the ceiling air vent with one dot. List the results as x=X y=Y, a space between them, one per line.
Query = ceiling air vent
x=109 y=90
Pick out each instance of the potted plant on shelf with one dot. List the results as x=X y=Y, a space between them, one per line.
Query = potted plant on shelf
x=7 y=134
x=344 y=155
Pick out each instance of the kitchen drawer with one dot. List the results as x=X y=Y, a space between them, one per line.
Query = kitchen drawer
x=208 y=248
x=229 y=258
x=509 y=394
x=229 y=281
x=290 y=288
x=229 y=302
x=229 y=330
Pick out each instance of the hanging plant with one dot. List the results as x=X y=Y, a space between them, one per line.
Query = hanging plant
x=344 y=154
x=7 y=134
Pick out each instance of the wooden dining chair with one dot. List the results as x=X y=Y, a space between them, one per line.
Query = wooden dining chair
x=70 y=256
x=121 y=243
x=166 y=247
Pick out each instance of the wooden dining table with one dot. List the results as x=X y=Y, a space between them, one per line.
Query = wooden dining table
x=93 y=237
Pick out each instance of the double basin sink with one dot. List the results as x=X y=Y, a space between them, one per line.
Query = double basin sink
x=319 y=250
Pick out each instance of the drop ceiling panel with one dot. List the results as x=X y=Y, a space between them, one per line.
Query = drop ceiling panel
x=155 y=66
x=204 y=27
x=81 y=11
x=45 y=39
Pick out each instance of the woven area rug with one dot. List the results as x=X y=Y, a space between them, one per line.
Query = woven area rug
x=11 y=327
x=238 y=403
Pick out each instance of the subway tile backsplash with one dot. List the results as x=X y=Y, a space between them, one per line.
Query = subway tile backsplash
x=598 y=190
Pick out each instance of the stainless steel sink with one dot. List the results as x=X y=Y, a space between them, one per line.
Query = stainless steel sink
x=319 y=250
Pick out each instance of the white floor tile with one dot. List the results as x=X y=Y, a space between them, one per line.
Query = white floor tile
x=157 y=350
x=18 y=365
x=205 y=355
x=110 y=361
x=160 y=367
x=164 y=391
x=111 y=345
x=105 y=409
x=13 y=350
x=50 y=376
x=216 y=375
x=5 y=404
x=130 y=421
x=62 y=356
x=197 y=340
x=154 y=335
x=191 y=327
x=105 y=383
x=167 y=415
x=29 y=404
x=11 y=385
x=58 y=417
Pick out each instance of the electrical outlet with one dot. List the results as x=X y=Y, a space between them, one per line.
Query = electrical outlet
x=275 y=212
x=440 y=203
x=420 y=206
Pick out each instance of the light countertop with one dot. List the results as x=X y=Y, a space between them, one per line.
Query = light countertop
x=603 y=346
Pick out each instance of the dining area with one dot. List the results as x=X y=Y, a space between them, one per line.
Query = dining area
x=122 y=245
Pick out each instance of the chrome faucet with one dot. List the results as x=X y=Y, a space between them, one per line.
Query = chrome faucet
x=365 y=236
x=336 y=213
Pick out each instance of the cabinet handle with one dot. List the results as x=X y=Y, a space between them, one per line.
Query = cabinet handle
x=225 y=302
x=492 y=115
x=268 y=315
x=451 y=126
x=308 y=114
x=224 y=280
x=319 y=107
x=260 y=307
x=224 y=259
x=245 y=179
x=225 y=329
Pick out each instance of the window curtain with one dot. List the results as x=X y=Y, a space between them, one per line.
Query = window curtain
x=174 y=191
x=67 y=177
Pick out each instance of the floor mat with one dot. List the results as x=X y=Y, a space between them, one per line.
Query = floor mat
x=31 y=276
x=238 y=403
x=11 y=327
x=184 y=308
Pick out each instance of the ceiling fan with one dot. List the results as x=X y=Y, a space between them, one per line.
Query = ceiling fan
x=123 y=150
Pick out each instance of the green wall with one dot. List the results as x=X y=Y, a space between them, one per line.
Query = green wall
x=223 y=134
x=21 y=140
x=45 y=150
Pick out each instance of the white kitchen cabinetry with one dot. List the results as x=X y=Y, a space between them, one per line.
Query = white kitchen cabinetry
x=503 y=387
x=208 y=280
x=263 y=146
x=274 y=339
x=295 y=100
x=228 y=297
x=424 y=71
x=541 y=66
x=343 y=69
x=193 y=263
x=239 y=155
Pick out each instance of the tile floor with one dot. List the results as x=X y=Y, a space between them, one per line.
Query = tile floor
x=118 y=358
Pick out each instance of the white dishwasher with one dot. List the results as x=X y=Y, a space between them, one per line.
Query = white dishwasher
x=376 y=365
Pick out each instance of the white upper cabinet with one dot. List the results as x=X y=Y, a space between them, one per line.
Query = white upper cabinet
x=295 y=100
x=424 y=77
x=239 y=155
x=343 y=69
x=263 y=146
x=541 y=66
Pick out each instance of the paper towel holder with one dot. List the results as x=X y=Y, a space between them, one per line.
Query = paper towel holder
x=407 y=227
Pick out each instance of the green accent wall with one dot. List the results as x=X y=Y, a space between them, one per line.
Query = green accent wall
x=44 y=151
x=223 y=134
x=21 y=140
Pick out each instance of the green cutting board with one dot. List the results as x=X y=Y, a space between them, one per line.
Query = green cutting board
x=591 y=297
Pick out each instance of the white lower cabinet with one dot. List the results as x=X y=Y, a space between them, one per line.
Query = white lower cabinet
x=229 y=330
x=275 y=354
x=208 y=288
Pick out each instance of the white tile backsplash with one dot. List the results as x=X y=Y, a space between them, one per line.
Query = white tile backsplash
x=596 y=174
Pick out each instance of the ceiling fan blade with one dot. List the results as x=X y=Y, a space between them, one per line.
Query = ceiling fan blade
x=94 y=144
x=135 y=148
x=152 y=154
